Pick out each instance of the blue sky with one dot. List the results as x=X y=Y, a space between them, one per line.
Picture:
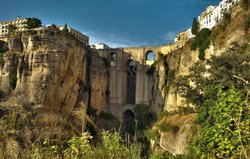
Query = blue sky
x=118 y=23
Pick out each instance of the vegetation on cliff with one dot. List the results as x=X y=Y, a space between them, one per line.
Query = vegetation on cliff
x=33 y=23
x=220 y=94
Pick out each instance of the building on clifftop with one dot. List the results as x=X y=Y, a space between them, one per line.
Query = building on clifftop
x=19 y=23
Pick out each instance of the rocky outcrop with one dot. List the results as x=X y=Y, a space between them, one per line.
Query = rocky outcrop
x=53 y=72
x=181 y=61
x=99 y=84
x=176 y=141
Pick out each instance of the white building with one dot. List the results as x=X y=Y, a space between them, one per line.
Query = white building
x=184 y=36
x=213 y=14
x=189 y=33
x=100 y=46
x=19 y=23
x=207 y=18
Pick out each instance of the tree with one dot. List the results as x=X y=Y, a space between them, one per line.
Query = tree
x=222 y=70
x=65 y=28
x=33 y=23
x=225 y=132
x=195 y=27
x=201 y=41
x=222 y=103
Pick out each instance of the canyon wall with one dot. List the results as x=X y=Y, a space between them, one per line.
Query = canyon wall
x=54 y=72
x=180 y=61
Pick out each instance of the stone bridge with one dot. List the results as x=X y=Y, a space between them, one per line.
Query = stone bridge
x=128 y=82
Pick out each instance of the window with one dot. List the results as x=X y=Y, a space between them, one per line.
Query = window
x=113 y=56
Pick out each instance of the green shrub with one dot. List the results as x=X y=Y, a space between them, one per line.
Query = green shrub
x=185 y=110
x=33 y=23
x=164 y=127
x=12 y=81
x=152 y=135
x=162 y=114
x=245 y=4
x=142 y=115
x=1 y=60
x=225 y=127
x=202 y=42
x=246 y=23
x=180 y=111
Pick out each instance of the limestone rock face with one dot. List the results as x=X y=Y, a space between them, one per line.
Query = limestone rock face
x=176 y=142
x=99 y=84
x=52 y=71
x=181 y=61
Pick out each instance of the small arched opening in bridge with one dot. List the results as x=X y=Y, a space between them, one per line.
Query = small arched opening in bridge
x=112 y=56
x=131 y=81
x=150 y=56
x=128 y=122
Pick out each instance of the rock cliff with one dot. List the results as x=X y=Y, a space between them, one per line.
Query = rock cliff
x=53 y=72
x=180 y=62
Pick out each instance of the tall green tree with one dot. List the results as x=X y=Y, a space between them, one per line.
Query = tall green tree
x=195 y=26
x=33 y=23
x=65 y=28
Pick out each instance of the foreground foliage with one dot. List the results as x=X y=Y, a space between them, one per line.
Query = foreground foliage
x=225 y=129
x=219 y=90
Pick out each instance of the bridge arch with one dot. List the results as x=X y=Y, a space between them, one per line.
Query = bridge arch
x=128 y=121
x=150 y=55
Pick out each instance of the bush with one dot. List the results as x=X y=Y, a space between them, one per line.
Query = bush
x=246 y=23
x=164 y=127
x=152 y=135
x=225 y=128
x=33 y=23
x=202 y=42
x=142 y=115
x=1 y=60
x=12 y=81
x=245 y=4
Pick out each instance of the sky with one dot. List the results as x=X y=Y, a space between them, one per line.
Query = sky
x=118 y=23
